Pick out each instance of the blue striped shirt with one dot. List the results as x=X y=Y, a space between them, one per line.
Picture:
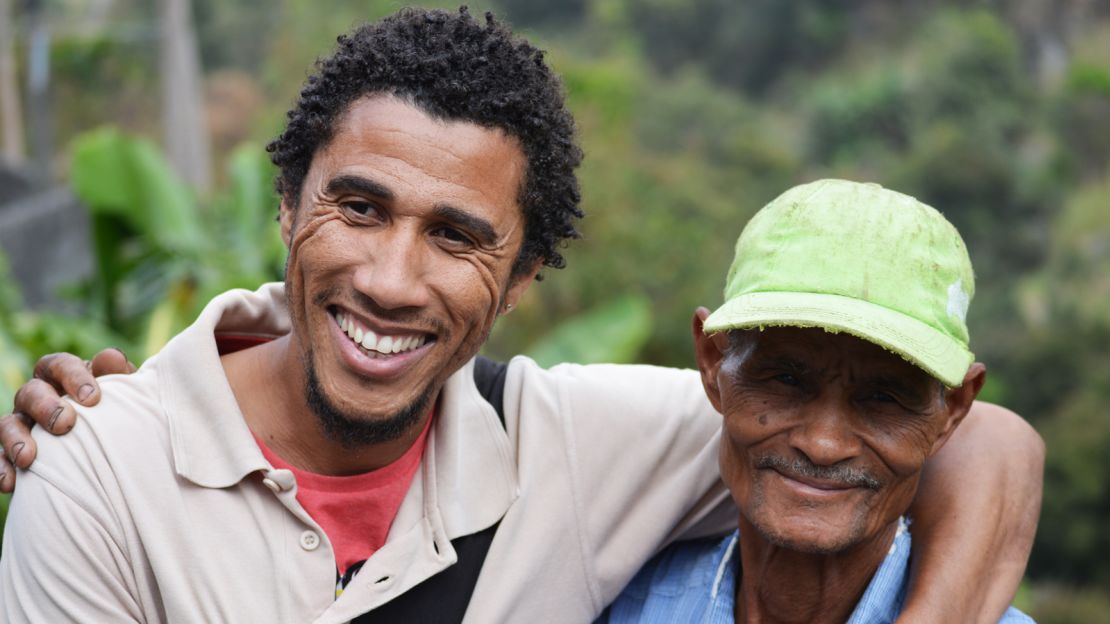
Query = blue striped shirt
x=695 y=583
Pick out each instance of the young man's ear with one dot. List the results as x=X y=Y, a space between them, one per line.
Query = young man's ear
x=517 y=285
x=286 y=213
x=957 y=402
x=709 y=351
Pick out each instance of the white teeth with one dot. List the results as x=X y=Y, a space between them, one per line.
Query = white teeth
x=370 y=341
x=385 y=345
x=367 y=339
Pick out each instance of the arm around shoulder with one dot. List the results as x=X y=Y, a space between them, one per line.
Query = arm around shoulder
x=975 y=516
x=60 y=562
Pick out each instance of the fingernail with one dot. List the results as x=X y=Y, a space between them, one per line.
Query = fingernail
x=85 y=391
x=122 y=353
x=16 y=450
x=54 y=418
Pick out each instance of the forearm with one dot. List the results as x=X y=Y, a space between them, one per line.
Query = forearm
x=974 y=519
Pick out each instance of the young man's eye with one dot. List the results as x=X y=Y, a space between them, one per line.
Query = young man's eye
x=361 y=208
x=452 y=235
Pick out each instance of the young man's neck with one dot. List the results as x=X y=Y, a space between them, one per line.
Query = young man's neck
x=277 y=413
x=782 y=585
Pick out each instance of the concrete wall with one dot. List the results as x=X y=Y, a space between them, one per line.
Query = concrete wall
x=45 y=236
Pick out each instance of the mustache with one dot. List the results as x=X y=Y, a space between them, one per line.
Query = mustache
x=805 y=468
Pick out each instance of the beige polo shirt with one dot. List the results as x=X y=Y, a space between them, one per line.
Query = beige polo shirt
x=159 y=506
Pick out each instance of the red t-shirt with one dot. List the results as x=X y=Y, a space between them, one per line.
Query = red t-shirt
x=355 y=511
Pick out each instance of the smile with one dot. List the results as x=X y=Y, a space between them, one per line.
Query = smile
x=377 y=344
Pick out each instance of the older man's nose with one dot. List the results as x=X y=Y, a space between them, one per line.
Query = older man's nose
x=825 y=435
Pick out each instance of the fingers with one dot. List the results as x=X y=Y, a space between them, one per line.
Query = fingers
x=7 y=474
x=110 y=362
x=7 y=468
x=38 y=402
x=67 y=374
x=18 y=446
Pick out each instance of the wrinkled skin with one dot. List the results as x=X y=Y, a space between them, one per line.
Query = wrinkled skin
x=825 y=439
x=854 y=422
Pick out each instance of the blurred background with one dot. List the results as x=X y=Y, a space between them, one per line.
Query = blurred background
x=134 y=186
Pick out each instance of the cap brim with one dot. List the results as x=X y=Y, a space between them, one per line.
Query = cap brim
x=937 y=354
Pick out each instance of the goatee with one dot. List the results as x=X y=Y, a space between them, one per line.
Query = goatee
x=354 y=433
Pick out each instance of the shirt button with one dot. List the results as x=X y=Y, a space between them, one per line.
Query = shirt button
x=309 y=540
x=273 y=485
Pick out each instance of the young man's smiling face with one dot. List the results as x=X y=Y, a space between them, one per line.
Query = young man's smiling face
x=400 y=256
x=825 y=435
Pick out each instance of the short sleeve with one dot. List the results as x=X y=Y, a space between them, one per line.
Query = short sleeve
x=59 y=563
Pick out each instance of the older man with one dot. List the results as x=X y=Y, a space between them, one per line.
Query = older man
x=331 y=448
x=840 y=363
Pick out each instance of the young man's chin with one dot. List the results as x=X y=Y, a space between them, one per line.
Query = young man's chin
x=352 y=428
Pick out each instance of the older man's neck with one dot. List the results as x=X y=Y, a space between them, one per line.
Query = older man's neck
x=269 y=386
x=781 y=585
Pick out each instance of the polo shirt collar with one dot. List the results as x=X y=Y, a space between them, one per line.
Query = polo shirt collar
x=212 y=445
x=471 y=458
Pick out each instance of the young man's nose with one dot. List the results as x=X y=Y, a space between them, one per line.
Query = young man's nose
x=395 y=273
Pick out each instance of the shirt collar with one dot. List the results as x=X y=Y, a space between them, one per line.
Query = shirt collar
x=881 y=602
x=883 y=598
x=212 y=445
x=471 y=458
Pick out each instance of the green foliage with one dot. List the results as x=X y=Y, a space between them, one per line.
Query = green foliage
x=159 y=254
x=1084 y=105
x=614 y=332
x=1057 y=604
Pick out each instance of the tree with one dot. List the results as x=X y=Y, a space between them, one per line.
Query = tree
x=11 y=122
x=183 y=118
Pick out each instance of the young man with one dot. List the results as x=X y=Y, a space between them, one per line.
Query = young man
x=840 y=363
x=329 y=433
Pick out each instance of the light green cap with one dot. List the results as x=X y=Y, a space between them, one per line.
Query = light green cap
x=855 y=258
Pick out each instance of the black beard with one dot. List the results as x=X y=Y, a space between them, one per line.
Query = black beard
x=352 y=433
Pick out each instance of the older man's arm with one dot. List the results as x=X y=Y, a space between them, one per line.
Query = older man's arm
x=977 y=512
x=40 y=401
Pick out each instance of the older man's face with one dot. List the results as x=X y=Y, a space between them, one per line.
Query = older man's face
x=405 y=235
x=825 y=434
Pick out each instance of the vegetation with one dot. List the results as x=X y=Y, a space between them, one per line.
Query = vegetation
x=692 y=115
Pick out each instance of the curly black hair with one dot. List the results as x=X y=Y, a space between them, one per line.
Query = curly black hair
x=453 y=68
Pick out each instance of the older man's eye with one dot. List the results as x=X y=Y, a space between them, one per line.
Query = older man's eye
x=881 y=397
x=788 y=379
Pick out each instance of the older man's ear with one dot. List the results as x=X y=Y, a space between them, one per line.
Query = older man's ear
x=957 y=402
x=709 y=351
